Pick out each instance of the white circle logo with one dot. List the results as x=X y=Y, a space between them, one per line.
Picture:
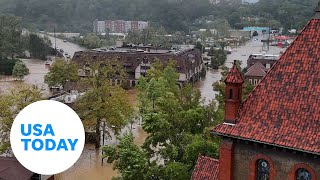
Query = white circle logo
x=47 y=137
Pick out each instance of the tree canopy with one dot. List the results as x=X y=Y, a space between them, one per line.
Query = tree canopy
x=104 y=102
x=20 y=70
x=61 y=72
x=177 y=125
x=11 y=104
x=174 y=15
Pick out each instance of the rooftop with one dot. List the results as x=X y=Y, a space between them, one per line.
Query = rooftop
x=11 y=169
x=206 y=169
x=256 y=70
x=284 y=109
x=234 y=75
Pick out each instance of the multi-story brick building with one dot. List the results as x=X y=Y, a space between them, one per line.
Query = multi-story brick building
x=118 y=26
x=275 y=133
x=136 y=63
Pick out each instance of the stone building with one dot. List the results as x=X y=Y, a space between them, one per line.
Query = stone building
x=188 y=62
x=275 y=133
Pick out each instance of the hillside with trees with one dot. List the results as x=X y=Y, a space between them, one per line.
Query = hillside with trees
x=173 y=15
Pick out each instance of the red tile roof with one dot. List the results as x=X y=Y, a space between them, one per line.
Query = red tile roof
x=256 y=70
x=234 y=75
x=284 y=109
x=206 y=169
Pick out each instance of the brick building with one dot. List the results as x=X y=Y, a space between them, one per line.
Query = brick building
x=137 y=62
x=275 y=133
x=118 y=26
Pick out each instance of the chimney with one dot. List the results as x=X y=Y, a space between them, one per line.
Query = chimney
x=233 y=91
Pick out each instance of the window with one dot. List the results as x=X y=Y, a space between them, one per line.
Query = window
x=230 y=94
x=303 y=174
x=263 y=170
x=250 y=81
x=255 y=82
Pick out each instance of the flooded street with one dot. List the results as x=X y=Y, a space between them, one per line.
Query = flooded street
x=241 y=53
x=68 y=47
x=37 y=69
x=89 y=166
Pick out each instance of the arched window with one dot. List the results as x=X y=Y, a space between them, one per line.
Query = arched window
x=230 y=94
x=263 y=170
x=303 y=174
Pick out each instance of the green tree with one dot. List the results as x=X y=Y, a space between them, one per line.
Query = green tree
x=61 y=72
x=175 y=121
x=219 y=57
x=11 y=104
x=39 y=47
x=10 y=36
x=91 y=41
x=103 y=102
x=20 y=70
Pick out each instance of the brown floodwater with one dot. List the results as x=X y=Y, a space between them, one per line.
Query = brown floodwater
x=37 y=69
x=89 y=166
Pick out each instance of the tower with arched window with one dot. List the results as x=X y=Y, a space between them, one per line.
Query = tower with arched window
x=275 y=133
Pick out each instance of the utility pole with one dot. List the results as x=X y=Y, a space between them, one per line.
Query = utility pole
x=55 y=40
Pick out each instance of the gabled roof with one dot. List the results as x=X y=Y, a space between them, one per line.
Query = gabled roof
x=284 y=109
x=234 y=75
x=206 y=169
x=256 y=70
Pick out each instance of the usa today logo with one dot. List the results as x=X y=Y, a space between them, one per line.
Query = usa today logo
x=47 y=137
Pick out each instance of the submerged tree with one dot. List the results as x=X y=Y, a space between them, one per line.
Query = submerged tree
x=61 y=72
x=102 y=101
x=11 y=104
x=176 y=123
x=20 y=70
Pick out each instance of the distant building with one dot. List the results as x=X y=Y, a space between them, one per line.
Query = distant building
x=267 y=60
x=255 y=73
x=138 y=61
x=240 y=33
x=225 y=1
x=249 y=1
x=118 y=26
x=274 y=133
x=99 y=27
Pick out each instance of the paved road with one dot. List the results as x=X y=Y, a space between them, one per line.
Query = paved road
x=68 y=47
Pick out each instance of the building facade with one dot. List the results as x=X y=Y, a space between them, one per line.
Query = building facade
x=118 y=26
x=188 y=63
x=255 y=73
x=275 y=133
